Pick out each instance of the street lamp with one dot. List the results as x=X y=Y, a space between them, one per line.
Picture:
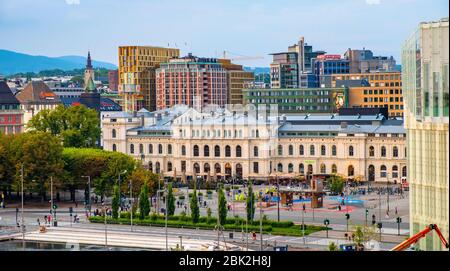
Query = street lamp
x=261 y=219
x=120 y=191
x=22 y=226
x=131 y=203
x=89 y=193
x=106 y=227
x=167 y=214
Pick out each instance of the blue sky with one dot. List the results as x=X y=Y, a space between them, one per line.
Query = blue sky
x=208 y=27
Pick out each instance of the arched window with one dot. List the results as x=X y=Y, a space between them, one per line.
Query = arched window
x=169 y=149
x=310 y=169
x=312 y=151
x=206 y=167
x=255 y=151
x=323 y=169
x=160 y=149
x=290 y=168
x=169 y=166
x=158 y=167
x=301 y=169
x=394 y=171
x=150 y=166
x=350 y=171
x=371 y=173
x=257 y=133
x=227 y=151
x=291 y=150
x=280 y=167
x=351 y=151
x=206 y=151
x=150 y=148
x=183 y=150
x=196 y=168
x=371 y=151
x=395 y=151
x=114 y=147
x=404 y=172
x=141 y=148
x=196 y=151
x=113 y=133
x=323 y=150
x=217 y=151
x=334 y=169
x=383 y=172
x=383 y=151
x=301 y=150
x=131 y=148
x=280 y=150
x=217 y=167
x=334 y=150
x=238 y=151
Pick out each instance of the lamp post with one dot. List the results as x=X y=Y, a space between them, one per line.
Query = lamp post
x=387 y=176
x=261 y=220
x=303 y=223
x=279 y=199
x=106 y=227
x=131 y=203
x=22 y=226
x=120 y=190
x=89 y=193
x=167 y=214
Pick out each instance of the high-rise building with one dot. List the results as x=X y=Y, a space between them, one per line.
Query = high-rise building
x=238 y=79
x=425 y=73
x=113 y=80
x=11 y=116
x=326 y=65
x=191 y=81
x=137 y=74
x=363 y=61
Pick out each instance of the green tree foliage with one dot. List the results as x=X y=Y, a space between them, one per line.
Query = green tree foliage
x=250 y=203
x=140 y=176
x=195 y=211
x=7 y=167
x=333 y=247
x=144 y=203
x=337 y=184
x=222 y=202
x=77 y=126
x=115 y=202
x=170 y=200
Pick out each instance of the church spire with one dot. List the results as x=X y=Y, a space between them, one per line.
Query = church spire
x=89 y=61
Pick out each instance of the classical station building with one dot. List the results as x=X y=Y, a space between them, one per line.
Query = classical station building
x=221 y=143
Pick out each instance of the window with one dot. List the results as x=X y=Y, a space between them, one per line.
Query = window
x=404 y=173
x=196 y=151
x=311 y=150
x=301 y=169
x=395 y=151
x=371 y=151
x=333 y=168
x=334 y=150
x=350 y=151
x=383 y=172
x=150 y=148
x=227 y=151
x=169 y=166
x=255 y=167
x=351 y=171
x=257 y=133
x=141 y=148
x=131 y=148
x=291 y=150
x=206 y=167
x=196 y=168
x=206 y=151
x=169 y=149
x=323 y=150
x=280 y=150
x=114 y=133
x=160 y=149
x=183 y=150
x=280 y=167
x=301 y=150
x=238 y=151
x=217 y=151
x=323 y=169
x=255 y=151
x=114 y=147
x=383 y=151
x=395 y=172
x=290 y=168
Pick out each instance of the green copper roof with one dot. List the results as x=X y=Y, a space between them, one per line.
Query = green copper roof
x=90 y=86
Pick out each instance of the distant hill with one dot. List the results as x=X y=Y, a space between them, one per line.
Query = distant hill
x=12 y=62
x=257 y=70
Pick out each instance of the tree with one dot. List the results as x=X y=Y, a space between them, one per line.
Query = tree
x=141 y=175
x=195 y=211
x=361 y=235
x=144 y=204
x=222 y=208
x=115 y=202
x=170 y=200
x=333 y=247
x=337 y=184
x=77 y=126
x=250 y=206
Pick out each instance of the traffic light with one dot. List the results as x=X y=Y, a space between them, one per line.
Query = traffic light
x=347 y=216
x=71 y=210
x=399 y=220
x=326 y=222
x=367 y=211
x=55 y=206
x=380 y=225
x=304 y=207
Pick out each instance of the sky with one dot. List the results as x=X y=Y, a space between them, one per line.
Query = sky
x=208 y=27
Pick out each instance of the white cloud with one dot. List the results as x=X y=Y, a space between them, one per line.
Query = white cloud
x=72 y=2
x=373 y=2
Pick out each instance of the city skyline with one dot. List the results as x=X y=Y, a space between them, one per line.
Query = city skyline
x=251 y=28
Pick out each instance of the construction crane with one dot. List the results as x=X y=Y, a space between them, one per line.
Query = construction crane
x=240 y=57
x=415 y=238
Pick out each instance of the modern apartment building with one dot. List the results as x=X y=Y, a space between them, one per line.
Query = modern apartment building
x=425 y=73
x=11 y=115
x=299 y=100
x=191 y=81
x=363 y=61
x=238 y=79
x=137 y=74
x=384 y=89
